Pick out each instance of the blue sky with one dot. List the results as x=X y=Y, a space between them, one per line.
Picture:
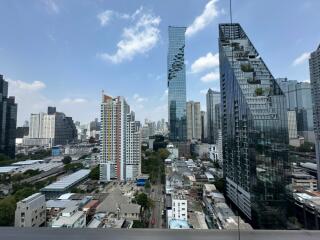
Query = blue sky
x=64 y=52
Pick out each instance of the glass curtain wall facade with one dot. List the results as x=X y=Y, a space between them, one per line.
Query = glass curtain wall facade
x=8 y=120
x=177 y=85
x=314 y=64
x=254 y=130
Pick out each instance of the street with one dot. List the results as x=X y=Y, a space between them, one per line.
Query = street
x=156 y=215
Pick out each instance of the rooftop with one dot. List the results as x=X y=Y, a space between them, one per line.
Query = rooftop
x=65 y=203
x=7 y=169
x=66 y=220
x=27 y=162
x=32 y=197
x=178 y=224
x=67 y=181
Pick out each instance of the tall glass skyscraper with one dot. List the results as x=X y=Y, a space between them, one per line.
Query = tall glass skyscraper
x=254 y=129
x=314 y=64
x=8 y=120
x=177 y=85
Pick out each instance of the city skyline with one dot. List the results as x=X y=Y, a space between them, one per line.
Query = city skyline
x=91 y=52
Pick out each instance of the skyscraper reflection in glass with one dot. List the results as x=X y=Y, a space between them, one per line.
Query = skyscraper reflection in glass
x=177 y=84
x=254 y=129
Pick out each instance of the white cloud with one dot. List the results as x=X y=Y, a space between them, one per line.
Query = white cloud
x=105 y=17
x=51 y=6
x=204 y=91
x=301 y=59
x=30 y=98
x=210 y=77
x=209 y=13
x=73 y=100
x=34 y=86
x=137 y=98
x=206 y=62
x=137 y=39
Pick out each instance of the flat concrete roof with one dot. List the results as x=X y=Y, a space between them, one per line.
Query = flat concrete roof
x=10 y=233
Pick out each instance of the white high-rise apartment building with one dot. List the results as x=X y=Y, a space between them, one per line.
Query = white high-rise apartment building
x=51 y=128
x=193 y=120
x=120 y=141
x=133 y=148
x=292 y=125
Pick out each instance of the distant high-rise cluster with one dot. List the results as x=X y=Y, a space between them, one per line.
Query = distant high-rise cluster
x=151 y=128
x=299 y=100
x=8 y=120
x=254 y=131
x=213 y=116
x=120 y=149
x=193 y=120
x=51 y=128
x=177 y=116
x=314 y=64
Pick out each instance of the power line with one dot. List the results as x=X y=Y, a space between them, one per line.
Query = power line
x=231 y=37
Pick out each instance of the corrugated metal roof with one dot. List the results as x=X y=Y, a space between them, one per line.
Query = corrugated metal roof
x=68 y=180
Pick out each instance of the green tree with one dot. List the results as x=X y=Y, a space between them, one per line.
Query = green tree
x=147 y=185
x=4 y=157
x=92 y=140
x=31 y=172
x=95 y=173
x=138 y=224
x=95 y=150
x=77 y=190
x=23 y=193
x=220 y=185
x=307 y=147
x=142 y=200
x=163 y=153
x=259 y=91
x=72 y=167
x=66 y=160
x=7 y=210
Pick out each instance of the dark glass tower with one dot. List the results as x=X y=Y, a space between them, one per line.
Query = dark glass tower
x=314 y=64
x=8 y=120
x=254 y=129
x=177 y=85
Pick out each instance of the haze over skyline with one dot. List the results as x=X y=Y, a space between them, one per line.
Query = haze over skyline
x=64 y=53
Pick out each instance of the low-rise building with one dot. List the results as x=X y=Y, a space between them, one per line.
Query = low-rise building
x=179 y=208
x=65 y=184
x=31 y=211
x=178 y=224
x=70 y=218
x=303 y=181
x=54 y=207
x=119 y=204
x=174 y=152
x=307 y=208
x=219 y=213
